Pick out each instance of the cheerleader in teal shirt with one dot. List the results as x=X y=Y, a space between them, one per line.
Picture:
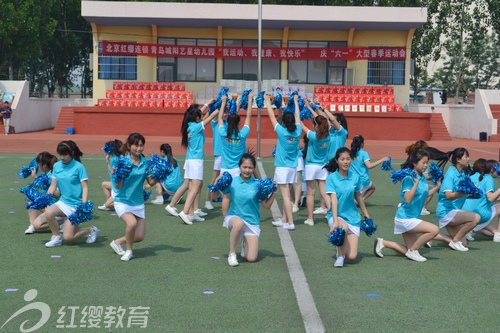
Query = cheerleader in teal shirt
x=108 y=187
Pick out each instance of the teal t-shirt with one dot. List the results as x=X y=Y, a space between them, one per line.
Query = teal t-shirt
x=414 y=208
x=69 y=181
x=234 y=147
x=244 y=202
x=131 y=191
x=317 y=150
x=287 y=148
x=344 y=188
x=174 y=180
x=196 y=141
x=481 y=206
x=449 y=184
x=337 y=140
x=358 y=165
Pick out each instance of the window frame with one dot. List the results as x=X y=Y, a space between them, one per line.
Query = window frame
x=121 y=74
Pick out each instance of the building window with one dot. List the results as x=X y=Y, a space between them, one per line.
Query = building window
x=186 y=69
x=392 y=71
x=316 y=71
x=111 y=67
x=246 y=69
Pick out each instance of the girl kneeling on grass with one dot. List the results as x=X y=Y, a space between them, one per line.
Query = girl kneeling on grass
x=243 y=216
x=414 y=192
x=173 y=181
x=343 y=186
x=109 y=187
x=70 y=177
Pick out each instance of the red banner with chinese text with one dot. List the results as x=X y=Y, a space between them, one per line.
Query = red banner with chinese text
x=225 y=52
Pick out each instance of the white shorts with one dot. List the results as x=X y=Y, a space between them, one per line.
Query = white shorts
x=168 y=192
x=447 y=219
x=315 y=172
x=248 y=229
x=122 y=208
x=352 y=229
x=300 y=167
x=403 y=225
x=284 y=175
x=66 y=209
x=233 y=172
x=365 y=188
x=217 y=163
x=483 y=225
x=113 y=193
x=193 y=169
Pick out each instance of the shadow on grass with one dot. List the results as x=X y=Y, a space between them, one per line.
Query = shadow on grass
x=152 y=250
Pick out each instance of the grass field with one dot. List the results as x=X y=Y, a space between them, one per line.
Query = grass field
x=173 y=267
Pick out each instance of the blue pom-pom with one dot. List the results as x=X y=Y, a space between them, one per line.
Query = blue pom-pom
x=232 y=107
x=368 y=227
x=290 y=106
x=435 y=173
x=26 y=171
x=497 y=169
x=35 y=200
x=265 y=187
x=108 y=149
x=123 y=168
x=387 y=166
x=277 y=101
x=218 y=102
x=42 y=182
x=467 y=186
x=33 y=164
x=274 y=151
x=337 y=237
x=219 y=199
x=82 y=213
x=397 y=176
x=222 y=184
x=146 y=194
x=244 y=99
x=166 y=197
x=159 y=168
x=260 y=100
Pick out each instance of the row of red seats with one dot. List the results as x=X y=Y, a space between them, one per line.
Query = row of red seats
x=150 y=94
x=179 y=86
x=366 y=107
x=354 y=98
x=368 y=90
x=145 y=103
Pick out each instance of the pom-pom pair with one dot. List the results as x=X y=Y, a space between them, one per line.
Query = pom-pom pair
x=83 y=213
x=467 y=186
x=368 y=227
x=435 y=173
x=218 y=102
x=265 y=187
x=146 y=194
x=222 y=184
x=108 y=149
x=159 y=168
x=244 y=99
x=35 y=200
x=260 y=100
x=42 y=183
x=387 y=166
x=337 y=237
x=123 y=168
x=397 y=176
x=26 y=171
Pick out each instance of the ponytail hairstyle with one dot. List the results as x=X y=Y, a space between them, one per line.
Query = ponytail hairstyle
x=306 y=144
x=481 y=166
x=288 y=121
x=342 y=120
x=168 y=152
x=133 y=139
x=233 y=121
x=46 y=158
x=414 y=158
x=491 y=165
x=322 y=129
x=356 y=144
x=69 y=147
x=333 y=164
x=117 y=147
x=191 y=115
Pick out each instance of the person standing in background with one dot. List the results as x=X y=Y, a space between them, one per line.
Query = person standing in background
x=6 y=111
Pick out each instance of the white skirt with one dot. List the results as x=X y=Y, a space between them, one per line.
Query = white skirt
x=403 y=225
x=284 y=175
x=315 y=172
x=300 y=167
x=66 y=209
x=352 y=229
x=248 y=229
x=447 y=219
x=233 y=172
x=193 y=169
x=122 y=208
x=217 y=163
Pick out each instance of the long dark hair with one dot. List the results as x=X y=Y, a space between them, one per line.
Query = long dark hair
x=168 y=152
x=306 y=144
x=133 y=139
x=414 y=158
x=191 y=115
x=342 y=121
x=117 y=146
x=480 y=166
x=288 y=121
x=233 y=121
x=46 y=158
x=333 y=165
x=434 y=153
x=322 y=127
x=69 y=148
x=356 y=143
x=457 y=154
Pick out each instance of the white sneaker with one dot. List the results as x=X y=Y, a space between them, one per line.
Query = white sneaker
x=185 y=218
x=31 y=229
x=320 y=211
x=117 y=248
x=208 y=205
x=127 y=256
x=231 y=259
x=196 y=218
x=158 y=200
x=378 y=246
x=425 y=212
x=200 y=213
x=339 y=262
x=61 y=227
x=399 y=204
x=289 y=226
x=496 y=237
x=103 y=207
x=242 y=254
x=469 y=237
x=302 y=201
x=295 y=208
x=458 y=246
x=428 y=244
x=172 y=210
x=309 y=222
x=93 y=235
x=414 y=255
x=278 y=223
x=54 y=241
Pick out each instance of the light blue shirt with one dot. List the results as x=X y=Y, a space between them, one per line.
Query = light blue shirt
x=481 y=206
x=449 y=184
x=196 y=141
x=359 y=166
x=174 y=180
x=344 y=188
x=216 y=140
x=69 y=181
x=114 y=160
x=317 y=151
x=287 y=148
x=244 y=202
x=337 y=140
x=234 y=147
x=131 y=191
x=414 y=208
